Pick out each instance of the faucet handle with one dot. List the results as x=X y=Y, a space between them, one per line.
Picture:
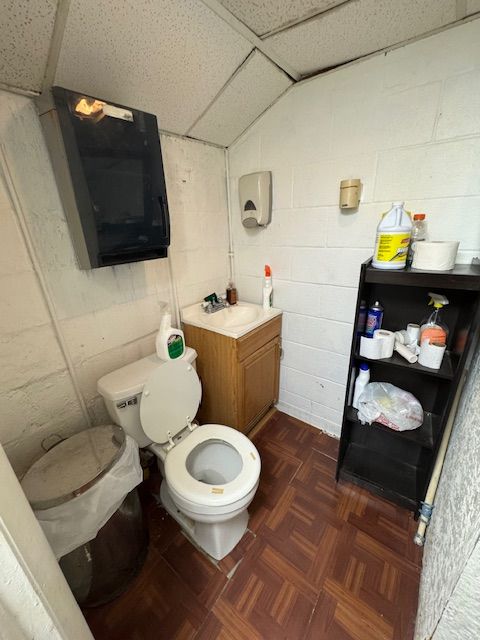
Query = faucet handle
x=211 y=298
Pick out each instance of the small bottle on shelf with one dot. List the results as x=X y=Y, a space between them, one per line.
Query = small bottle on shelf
x=361 y=382
x=419 y=234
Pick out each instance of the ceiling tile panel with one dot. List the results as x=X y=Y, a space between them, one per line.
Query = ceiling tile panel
x=357 y=28
x=25 y=31
x=167 y=57
x=263 y=16
x=473 y=6
x=256 y=85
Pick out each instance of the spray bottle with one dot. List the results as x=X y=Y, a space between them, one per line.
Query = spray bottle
x=267 y=289
x=170 y=342
x=432 y=328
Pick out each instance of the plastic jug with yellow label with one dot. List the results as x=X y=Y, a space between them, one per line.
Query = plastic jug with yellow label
x=393 y=238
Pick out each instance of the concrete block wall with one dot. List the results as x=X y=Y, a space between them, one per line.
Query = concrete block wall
x=108 y=316
x=197 y=193
x=451 y=547
x=407 y=124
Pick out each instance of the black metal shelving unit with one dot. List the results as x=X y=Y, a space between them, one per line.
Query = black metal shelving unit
x=398 y=465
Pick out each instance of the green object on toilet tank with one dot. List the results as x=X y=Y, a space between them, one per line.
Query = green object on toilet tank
x=175 y=346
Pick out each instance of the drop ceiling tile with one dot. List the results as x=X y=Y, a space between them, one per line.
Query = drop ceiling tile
x=473 y=6
x=266 y=15
x=167 y=57
x=356 y=29
x=25 y=31
x=256 y=85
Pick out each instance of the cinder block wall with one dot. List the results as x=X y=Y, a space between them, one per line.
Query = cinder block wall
x=408 y=124
x=108 y=316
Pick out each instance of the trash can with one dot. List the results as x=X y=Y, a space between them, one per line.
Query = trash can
x=83 y=494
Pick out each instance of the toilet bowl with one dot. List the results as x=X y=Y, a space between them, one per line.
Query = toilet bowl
x=210 y=471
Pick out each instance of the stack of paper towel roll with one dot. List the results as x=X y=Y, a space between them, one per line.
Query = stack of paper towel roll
x=435 y=256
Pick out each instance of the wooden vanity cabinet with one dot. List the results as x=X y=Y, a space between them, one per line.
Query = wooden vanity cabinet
x=240 y=376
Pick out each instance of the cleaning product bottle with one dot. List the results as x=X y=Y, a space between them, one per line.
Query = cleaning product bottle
x=393 y=238
x=361 y=382
x=170 y=342
x=419 y=234
x=432 y=328
x=267 y=289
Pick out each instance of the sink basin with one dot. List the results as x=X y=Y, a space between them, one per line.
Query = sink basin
x=234 y=321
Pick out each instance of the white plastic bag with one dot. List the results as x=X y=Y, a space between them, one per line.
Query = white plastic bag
x=387 y=404
x=73 y=523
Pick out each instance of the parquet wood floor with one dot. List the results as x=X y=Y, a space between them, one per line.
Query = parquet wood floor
x=321 y=561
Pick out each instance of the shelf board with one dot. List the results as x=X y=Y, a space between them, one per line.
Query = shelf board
x=447 y=370
x=385 y=476
x=462 y=276
x=424 y=436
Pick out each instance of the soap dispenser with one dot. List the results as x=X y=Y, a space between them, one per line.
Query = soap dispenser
x=255 y=191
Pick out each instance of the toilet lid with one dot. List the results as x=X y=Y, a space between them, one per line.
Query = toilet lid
x=170 y=400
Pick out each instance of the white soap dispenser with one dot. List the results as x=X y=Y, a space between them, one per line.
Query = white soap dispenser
x=255 y=192
x=170 y=342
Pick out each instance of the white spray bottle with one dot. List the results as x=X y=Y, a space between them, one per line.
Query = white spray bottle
x=170 y=342
x=267 y=289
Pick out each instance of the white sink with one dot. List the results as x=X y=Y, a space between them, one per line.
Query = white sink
x=234 y=321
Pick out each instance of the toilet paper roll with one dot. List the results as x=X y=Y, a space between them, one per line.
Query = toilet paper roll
x=402 y=337
x=435 y=256
x=405 y=352
x=431 y=355
x=387 y=338
x=370 y=348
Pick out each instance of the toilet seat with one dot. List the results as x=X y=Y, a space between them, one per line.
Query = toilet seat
x=199 y=493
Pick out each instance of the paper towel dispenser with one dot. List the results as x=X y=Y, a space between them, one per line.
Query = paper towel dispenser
x=255 y=191
x=109 y=170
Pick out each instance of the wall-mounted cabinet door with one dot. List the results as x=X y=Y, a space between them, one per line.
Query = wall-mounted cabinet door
x=258 y=381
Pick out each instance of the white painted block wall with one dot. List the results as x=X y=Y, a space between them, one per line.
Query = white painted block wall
x=407 y=123
x=453 y=533
x=108 y=316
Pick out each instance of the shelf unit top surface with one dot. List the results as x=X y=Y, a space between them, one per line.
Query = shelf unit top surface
x=462 y=276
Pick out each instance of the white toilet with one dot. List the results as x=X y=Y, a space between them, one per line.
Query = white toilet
x=210 y=472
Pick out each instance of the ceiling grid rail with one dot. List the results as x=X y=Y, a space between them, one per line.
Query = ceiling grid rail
x=252 y=37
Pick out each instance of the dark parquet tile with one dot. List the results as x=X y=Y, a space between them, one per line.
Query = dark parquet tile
x=158 y=606
x=195 y=569
x=227 y=564
x=321 y=561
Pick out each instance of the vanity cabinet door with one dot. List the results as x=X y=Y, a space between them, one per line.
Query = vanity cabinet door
x=258 y=383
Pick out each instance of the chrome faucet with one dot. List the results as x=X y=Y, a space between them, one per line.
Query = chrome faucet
x=213 y=303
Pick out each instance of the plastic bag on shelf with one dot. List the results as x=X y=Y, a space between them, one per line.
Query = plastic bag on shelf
x=391 y=406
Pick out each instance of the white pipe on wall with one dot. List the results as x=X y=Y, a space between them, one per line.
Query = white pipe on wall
x=229 y=217
x=427 y=504
x=20 y=214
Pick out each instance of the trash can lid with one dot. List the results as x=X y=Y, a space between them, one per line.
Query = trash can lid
x=73 y=466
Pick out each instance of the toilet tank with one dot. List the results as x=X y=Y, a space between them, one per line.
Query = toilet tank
x=122 y=391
